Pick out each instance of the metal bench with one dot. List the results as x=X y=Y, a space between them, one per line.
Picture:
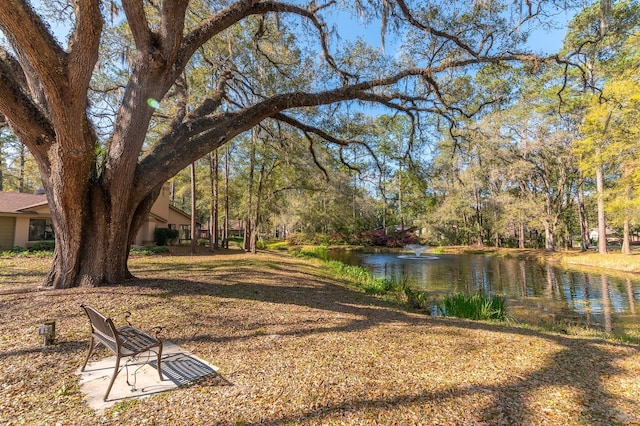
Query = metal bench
x=124 y=342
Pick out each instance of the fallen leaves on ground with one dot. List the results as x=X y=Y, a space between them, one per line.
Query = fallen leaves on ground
x=296 y=347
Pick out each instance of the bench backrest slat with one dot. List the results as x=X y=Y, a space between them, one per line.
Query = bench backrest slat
x=102 y=327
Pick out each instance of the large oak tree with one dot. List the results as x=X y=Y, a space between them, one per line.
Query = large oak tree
x=101 y=183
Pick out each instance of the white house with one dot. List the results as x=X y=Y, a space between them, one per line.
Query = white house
x=26 y=219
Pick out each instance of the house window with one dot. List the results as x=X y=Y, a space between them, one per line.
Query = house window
x=185 y=232
x=40 y=230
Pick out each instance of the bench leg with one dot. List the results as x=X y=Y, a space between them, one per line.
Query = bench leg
x=160 y=356
x=91 y=348
x=113 y=378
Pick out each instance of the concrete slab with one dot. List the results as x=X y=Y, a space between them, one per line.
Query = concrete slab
x=178 y=366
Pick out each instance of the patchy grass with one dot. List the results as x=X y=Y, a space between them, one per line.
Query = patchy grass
x=612 y=261
x=296 y=346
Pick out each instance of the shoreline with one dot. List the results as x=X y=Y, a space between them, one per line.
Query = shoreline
x=614 y=262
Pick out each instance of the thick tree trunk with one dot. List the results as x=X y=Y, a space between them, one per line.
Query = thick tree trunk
x=93 y=240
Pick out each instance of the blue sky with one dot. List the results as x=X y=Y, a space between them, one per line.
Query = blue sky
x=541 y=41
x=545 y=41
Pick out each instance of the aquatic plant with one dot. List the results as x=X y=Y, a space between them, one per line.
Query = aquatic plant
x=474 y=306
x=416 y=299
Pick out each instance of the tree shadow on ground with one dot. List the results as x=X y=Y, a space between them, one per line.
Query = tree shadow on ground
x=511 y=405
x=584 y=358
x=591 y=359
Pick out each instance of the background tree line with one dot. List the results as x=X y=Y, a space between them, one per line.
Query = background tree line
x=482 y=142
x=523 y=174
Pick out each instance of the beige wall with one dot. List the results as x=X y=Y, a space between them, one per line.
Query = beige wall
x=7 y=226
x=161 y=207
x=21 y=236
x=145 y=234
x=161 y=210
x=176 y=218
x=173 y=217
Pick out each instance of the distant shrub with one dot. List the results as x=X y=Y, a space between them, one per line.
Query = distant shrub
x=45 y=250
x=47 y=245
x=162 y=236
x=149 y=251
x=13 y=252
x=296 y=239
x=386 y=238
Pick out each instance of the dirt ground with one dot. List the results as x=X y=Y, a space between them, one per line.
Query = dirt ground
x=295 y=346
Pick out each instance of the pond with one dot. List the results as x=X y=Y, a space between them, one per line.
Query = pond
x=536 y=293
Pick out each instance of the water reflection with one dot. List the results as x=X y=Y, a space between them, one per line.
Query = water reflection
x=536 y=293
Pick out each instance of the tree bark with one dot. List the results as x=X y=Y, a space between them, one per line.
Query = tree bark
x=225 y=236
x=94 y=251
x=249 y=227
x=626 y=239
x=213 y=220
x=550 y=224
x=549 y=237
x=496 y=234
x=521 y=235
x=602 y=225
x=256 y=214
x=194 y=211
x=23 y=160
x=584 y=225
x=478 y=218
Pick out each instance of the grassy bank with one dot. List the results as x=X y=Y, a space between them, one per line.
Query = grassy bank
x=295 y=345
x=614 y=261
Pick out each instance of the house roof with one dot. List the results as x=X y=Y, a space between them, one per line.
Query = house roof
x=16 y=202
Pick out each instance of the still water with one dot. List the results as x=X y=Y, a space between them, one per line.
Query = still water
x=536 y=293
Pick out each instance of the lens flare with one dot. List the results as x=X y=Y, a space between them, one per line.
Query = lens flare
x=153 y=103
